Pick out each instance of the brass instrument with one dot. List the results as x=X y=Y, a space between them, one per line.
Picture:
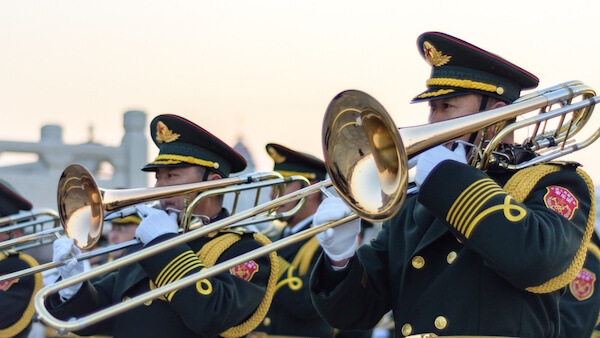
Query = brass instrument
x=83 y=205
x=40 y=226
x=366 y=157
x=362 y=140
x=255 y=181
x=266 y=216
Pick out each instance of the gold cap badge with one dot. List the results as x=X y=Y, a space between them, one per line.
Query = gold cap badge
x=434 y=57
x=164 y=134
x=277 y=157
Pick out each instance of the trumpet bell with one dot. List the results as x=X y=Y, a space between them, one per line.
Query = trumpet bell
x=364 y=155
x=80 y=206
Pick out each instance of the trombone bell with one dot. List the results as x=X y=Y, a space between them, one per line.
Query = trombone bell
x=80 y=206
x=364 y=155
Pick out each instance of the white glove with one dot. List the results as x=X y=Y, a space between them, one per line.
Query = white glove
x=434 y=156
x=340 y=242
x=155 y=223
x=63 y=248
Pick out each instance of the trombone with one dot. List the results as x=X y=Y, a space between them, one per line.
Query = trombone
x=82 y=205
x=362 y=140
x=265 y=216
x=33 y=223
x=269 y=215
x=79 y=323
x=364 y=149
x=251 y=181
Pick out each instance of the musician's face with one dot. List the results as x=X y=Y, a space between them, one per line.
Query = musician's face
x=177 y=175
x=459 y=106
x=453 y=107
x=120 y=233
x=6 y=236
x=290 y=187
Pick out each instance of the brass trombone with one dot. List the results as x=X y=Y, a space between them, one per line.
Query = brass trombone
x=76 y=324
x=34 y=224
x=361 y=140
x=255 y=181
x=364 y=150
x=82 y=205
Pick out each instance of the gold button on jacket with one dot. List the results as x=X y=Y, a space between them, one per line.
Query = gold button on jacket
x=451 y=257
x=441 y=322
x=418 y=262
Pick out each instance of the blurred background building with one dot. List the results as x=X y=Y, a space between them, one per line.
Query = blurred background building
x=112 y=166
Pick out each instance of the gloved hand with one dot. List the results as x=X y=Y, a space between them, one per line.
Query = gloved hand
x=434 y=156
x=340 y=242
x=155 y=222
x=63 y=248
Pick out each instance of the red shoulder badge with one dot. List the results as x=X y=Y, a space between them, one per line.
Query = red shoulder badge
x=245 y=270
x=7 y=284
x=561 y=200
x=582 y=287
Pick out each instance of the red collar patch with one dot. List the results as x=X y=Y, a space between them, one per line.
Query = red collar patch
x=582 y=287
x=561 y=200
x=7 y=284
x=245 y=270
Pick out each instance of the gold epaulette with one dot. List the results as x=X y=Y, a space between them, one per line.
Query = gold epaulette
x=593 y=248
x=25 y=319
x=520 y=186
x=210 y=253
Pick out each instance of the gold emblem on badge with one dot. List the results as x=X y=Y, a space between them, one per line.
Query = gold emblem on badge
x=277 y=157
x=164 y=134
x=434 y=57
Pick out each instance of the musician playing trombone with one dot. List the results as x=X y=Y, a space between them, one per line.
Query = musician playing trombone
x=472 y=252
x=16 y=296
x=229 y=304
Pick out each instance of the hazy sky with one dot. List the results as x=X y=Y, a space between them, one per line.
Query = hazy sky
x=265 y=70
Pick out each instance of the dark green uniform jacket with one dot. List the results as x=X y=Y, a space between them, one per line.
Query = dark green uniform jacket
x=580 y=305
x=16 y=296
x=462 y=257
x=291 y=312
x=207 y=309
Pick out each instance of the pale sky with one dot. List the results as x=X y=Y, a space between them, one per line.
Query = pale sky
x=265 y=70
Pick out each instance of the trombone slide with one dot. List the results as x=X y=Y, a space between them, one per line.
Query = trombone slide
x=76 y=324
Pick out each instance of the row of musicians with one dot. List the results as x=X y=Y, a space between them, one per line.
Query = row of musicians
x=290 y=311
x=498 y=253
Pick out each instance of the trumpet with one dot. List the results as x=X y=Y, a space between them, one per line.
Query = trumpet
x=366 y=157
